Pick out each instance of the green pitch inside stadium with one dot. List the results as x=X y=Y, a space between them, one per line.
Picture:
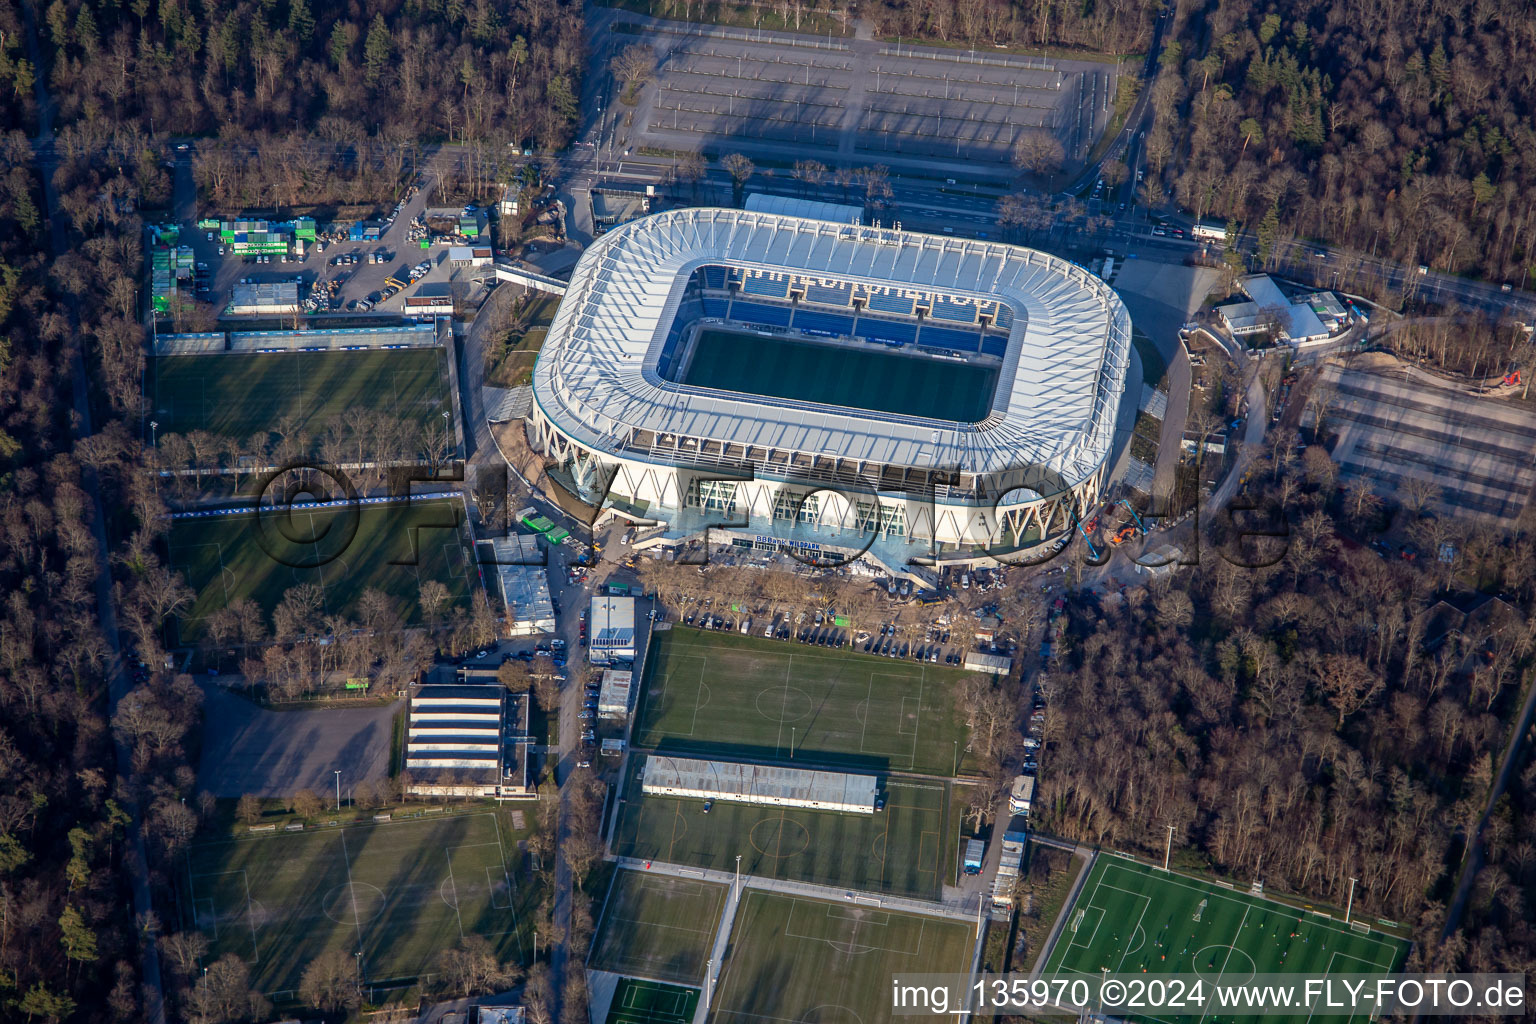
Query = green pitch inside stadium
x=858 y=378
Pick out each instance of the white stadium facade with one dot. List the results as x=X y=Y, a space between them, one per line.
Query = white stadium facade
x=800 y=377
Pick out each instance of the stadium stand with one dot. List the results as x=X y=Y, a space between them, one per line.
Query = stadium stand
x=1004 y=316
x=841 y=295
x=714 y=277
x=994 y=347
x=822 y=323
x=891 y=302
x=766 y=287
x=887 y=331
x=945 y=337
x=760 y=313
x=717 y=308
x=954 y=312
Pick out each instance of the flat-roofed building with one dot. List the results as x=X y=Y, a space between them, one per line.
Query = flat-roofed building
x=617 y=692
x=759 y=784
x=523 y=584
x=611 y=630
x=456 y=743
x=995 y=664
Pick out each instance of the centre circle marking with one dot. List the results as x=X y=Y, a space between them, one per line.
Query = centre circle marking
x=784 y=704
x=781 y=834
x=354 y=903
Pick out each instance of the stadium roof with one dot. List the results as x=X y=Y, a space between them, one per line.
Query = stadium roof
x=1059 y=386
x=789 y=206
x=731 y=780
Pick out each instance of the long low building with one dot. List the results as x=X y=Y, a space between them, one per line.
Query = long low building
x=456 y=744
x=758 y=784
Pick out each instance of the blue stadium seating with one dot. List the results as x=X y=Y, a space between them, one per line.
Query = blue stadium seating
x=838 y=296
x=954 y=312
x=886 y=330
x=1004 y=316
x=887 y=302
x=717 y=308
x=994 y=347
x=823 y=323
x=766 y=286
x=714 y=277
x=944 y=337
x=760 y=313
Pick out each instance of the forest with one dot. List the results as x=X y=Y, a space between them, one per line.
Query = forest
x=1115 y=27
x=1322 y=715
x=407 y=72
x=1398 y=128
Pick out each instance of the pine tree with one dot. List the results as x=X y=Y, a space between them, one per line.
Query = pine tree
x=300 y=21
x=377 y=49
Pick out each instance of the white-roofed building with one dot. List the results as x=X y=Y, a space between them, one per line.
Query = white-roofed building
x=790 y=206
x=1268 y=309
x=996 y=664
x=523 y=583
x=616 y=694
x=1051 y=340
x=456 y=742
x=611 y=630
x=759 y=784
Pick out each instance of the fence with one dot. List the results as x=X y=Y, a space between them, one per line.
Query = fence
x=189 y=344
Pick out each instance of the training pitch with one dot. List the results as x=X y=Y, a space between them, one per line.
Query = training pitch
x=1132 y=917
x=798 y=959
x=344 y=551
x=651 y=1002
x=908 y=849
x=401 y=892
x=240 y=394
x=731 y=696
x=657 y=926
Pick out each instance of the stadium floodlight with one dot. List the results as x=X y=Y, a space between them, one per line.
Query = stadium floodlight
x=1168 y=853
x=1351 y=905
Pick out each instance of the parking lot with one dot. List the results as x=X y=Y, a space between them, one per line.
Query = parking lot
x=362 y=268
x=862 y=99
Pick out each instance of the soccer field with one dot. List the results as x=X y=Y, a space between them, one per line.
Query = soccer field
x=657 y=926
x=798 y=959
x=400 y=892
x=865 y=377
x=727 y=695
x=237 y=394
x=650 y=1002
x=342 y=550
x=1132 y=917
x=908 y=849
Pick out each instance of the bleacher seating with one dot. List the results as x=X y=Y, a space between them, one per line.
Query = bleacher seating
x=945 y=337
x=841 y=295
x=890 y=302
x=886 y=330
x=994 y=346
x=954 y=312
x=822 y=323
x=717 y=308
x=1004 y=316
x=760 y=313
x=714 y=277
x=766 y=287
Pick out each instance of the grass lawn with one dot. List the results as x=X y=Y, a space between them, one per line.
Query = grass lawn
x=651 y=1002
x=798 y=959
x=510 y=361
x=394 y=547
x=237 y=394
x=907 y=849
x=1132 y=917
x=658 y=926
x=398 y=891
x=732 y=696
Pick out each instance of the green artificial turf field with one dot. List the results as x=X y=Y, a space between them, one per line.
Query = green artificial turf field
x=1132 y=917
x=907 y=849
x=237 y=394
x=859 y=378
x=651 y=1002
x=731 y=696
x=342 y=550
x=401 y=892
x=657 y=926
x=798 y=959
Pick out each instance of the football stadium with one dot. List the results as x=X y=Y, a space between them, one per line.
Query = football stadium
x=811 y=379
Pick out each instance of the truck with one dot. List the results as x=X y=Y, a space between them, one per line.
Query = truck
x=975 y=852
x=1021 y=794
x=1208 y=231
x=746 y=626
x=1016 y=833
